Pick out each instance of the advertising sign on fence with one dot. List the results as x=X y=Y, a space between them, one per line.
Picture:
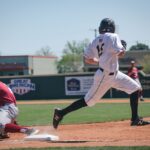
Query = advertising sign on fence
x=21 y=86
x=77 y=85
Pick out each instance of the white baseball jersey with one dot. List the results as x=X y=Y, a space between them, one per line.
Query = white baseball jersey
x=106 y=48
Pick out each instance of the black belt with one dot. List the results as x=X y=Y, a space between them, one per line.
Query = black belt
x=111 y=73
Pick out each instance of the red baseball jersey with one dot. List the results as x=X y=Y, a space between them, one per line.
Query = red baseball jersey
x=133 y=72
x=6 y=95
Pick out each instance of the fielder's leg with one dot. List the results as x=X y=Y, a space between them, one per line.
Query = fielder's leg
x=60 y=113
x=13 y=128
x=141 y=95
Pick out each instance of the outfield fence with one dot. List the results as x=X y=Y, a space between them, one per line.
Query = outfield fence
x=64 y=86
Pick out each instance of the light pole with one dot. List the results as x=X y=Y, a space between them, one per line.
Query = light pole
x=95 y=32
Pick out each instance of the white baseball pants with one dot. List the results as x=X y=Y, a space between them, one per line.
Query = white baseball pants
x=103 y=82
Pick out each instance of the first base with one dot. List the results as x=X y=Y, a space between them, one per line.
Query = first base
x=42 y=137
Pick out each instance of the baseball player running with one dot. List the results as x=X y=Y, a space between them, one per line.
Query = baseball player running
x=105 y=50
x=8 y=114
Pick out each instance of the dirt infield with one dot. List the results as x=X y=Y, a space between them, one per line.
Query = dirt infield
x=69 y=101
x=96 y=134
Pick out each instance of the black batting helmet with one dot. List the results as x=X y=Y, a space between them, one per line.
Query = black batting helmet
x=107 y=25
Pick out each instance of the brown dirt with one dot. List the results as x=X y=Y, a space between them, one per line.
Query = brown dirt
x=147 y=100
x=96 y=134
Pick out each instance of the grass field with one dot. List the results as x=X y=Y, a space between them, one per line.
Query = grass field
x=41 y=114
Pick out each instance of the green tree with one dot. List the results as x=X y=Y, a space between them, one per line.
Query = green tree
x=145 y=62
x=45 y=51
x=72 y=58
x=139 y=46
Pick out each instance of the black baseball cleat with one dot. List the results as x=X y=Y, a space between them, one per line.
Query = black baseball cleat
x=141 y=99
x=57 y=117
x=4 y=135
x=139 y=122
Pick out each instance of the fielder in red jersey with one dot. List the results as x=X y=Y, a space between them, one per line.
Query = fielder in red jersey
x=8 y=114
x=6 y=95
x=133 y=73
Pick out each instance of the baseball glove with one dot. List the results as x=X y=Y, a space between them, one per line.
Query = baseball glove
x=124 y=43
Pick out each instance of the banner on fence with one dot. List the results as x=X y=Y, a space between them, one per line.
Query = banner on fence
x=78 y=85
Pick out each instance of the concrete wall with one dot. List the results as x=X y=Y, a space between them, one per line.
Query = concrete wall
x=44 y=65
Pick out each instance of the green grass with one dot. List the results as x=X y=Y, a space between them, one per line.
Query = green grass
x=41 y=114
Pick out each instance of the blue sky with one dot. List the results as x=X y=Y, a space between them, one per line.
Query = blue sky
x=28 y=25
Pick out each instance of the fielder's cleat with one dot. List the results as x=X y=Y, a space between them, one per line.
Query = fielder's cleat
x=139 y=122
x=57 y=117
x=4 y=135
x=141 y=99
x=31 y=131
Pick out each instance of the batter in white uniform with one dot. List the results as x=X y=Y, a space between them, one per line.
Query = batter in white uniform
x=105 y=51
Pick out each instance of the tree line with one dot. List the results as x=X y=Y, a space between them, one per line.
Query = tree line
x=72 y=56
